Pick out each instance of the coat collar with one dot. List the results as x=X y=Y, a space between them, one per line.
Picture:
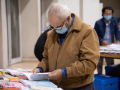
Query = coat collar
x=77 y=23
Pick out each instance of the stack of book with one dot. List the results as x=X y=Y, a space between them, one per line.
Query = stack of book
x=110 y=49
x=21 y=79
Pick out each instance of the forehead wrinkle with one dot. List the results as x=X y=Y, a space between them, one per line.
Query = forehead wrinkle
x=55 y=21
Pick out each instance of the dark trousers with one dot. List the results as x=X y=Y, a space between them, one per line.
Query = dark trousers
x=109 y=61
x=87 y=87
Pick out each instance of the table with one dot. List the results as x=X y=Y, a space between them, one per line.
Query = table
x=115 y=56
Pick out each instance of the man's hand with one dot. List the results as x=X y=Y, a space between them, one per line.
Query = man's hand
x=36 y=70
x=55 y=75
x=104 y=42
x=117 y=42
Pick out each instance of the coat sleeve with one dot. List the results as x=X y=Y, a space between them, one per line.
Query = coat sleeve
x=96 y=27
x=89 y=56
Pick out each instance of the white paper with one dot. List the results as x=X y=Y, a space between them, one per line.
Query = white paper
x=24 y=88
x=33 y=87
x=37 y=76
x=58 y=89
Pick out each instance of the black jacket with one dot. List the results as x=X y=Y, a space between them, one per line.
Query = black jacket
x=39 y=46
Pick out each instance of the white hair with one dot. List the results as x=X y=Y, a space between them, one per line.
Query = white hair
x=61 y=10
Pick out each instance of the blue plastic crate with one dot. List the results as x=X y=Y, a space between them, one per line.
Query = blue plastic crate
x=106 y=82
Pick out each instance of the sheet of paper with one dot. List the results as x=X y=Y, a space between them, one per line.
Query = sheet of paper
x=33 y=87
x=24 y=88
x=37 y=76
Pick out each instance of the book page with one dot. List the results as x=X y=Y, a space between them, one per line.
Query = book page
x=33 y=87
x=37 y=76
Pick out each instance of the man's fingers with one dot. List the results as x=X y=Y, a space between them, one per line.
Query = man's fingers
x=32 y=71
x=51 y=76
x=35 y=71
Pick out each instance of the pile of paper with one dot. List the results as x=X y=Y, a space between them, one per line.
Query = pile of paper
x=110 y=49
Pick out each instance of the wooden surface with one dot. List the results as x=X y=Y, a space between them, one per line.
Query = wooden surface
x=10 y=89
x=110 y=56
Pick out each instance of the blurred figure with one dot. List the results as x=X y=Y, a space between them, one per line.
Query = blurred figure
x=39 y=46
x=106 y=28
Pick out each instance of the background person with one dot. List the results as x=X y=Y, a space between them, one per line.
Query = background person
x=39 y=46
x=106 y=28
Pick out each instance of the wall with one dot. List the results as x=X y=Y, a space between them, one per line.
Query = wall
x=100 y=9
x=1 y=46
x=45 y=5
x=87 y=10
x=90 y=11
x=3 y=37
x=30 y=26
x=115 y=4
x=74 y=6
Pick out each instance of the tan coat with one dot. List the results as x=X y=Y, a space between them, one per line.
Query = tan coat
x=79 y=54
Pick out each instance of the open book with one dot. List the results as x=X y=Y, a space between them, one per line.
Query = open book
x=25 y=73
x=37 y=76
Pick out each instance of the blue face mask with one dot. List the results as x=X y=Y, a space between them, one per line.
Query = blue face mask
x=62 y=31
x=107 y=17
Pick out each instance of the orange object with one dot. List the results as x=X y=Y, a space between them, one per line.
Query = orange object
x=10 y=89
x=14 y=79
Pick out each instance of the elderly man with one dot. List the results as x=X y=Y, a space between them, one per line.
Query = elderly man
x=71 y=51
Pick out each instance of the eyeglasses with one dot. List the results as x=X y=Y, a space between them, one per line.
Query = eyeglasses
x=57 y=28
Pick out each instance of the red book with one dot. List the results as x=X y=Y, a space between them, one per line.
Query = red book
x=23 y=77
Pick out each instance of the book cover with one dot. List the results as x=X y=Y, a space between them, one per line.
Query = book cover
x=2 y=73
x=14 y=79
x=4 y=79
x=23 y=77
x=17 y=71
x=44 y=83
x=13 y=72
x=10 y=89
x=12 y=85
x=1 y=87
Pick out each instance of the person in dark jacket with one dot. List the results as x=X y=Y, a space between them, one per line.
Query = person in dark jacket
x=39 y=46
x=106 y=28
